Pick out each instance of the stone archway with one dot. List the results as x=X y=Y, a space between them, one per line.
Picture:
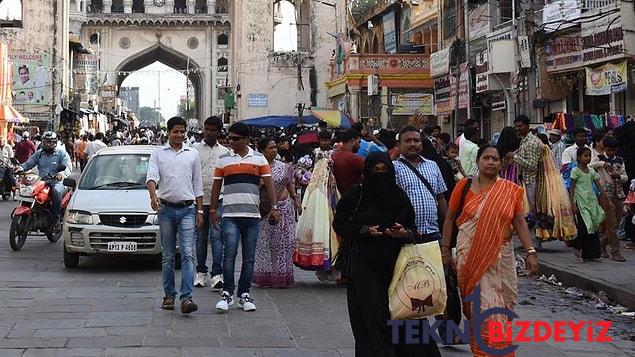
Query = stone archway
x=172 y=59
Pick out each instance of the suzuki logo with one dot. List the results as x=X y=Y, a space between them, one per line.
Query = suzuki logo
x=122 y=220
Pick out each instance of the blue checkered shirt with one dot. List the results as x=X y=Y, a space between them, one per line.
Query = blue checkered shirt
x=424 y=203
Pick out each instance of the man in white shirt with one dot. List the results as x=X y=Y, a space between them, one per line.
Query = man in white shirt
x=177 y=168
x=209 y=150
x=468 y=123
x=94 y=146
x=570 y=154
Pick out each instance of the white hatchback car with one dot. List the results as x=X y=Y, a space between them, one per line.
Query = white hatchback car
x=110 y=210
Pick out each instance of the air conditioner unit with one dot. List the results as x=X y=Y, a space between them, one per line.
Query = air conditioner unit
x=373 y=84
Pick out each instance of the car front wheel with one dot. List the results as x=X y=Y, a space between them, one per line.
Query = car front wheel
x=71 y=260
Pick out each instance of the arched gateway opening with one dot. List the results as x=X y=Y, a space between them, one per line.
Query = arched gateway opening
x=172 y=59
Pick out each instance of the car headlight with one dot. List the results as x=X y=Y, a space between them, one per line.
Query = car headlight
x=79 y=217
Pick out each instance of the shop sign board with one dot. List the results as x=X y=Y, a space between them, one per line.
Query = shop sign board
x=482 y=72
x=479 y=21
x=442 y=96
x=603 y=40
x=463 y=87
x=440 y=63
x=413 y=103
x=564 y=52
x=607 y=79
x=390 y=33
x=85 y=73
x=523 y=49
x=498 y=101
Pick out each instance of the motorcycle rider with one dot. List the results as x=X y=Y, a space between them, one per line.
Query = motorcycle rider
x=47 y=159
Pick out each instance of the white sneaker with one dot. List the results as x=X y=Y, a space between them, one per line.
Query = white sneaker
x=217 y=283
x=225 y=302
x=199 y=281
x=247 y=302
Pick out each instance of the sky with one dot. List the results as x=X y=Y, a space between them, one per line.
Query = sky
x=167 y=96
x=10 y=9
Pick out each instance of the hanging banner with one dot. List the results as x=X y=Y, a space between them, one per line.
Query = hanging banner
x=31 y=78
x=463 y=88
x=607 y=79
x=557 y=15
x=85 y=71
x=413 y=103
x=390 y=33
x=603 y=40
x=442 y=96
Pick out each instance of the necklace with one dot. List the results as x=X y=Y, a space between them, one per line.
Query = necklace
x=481 y=187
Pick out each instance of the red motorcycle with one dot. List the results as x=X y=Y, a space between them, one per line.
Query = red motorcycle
x=33 y=215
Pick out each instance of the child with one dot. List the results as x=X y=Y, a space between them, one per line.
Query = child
x=585 y=206
x=452 y=152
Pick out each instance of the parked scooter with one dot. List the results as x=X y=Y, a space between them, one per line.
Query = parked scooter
x=33 y=215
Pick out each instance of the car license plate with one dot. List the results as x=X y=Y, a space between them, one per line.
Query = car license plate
x=122 y=246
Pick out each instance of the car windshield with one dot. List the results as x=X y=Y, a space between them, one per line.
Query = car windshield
x=116 y=172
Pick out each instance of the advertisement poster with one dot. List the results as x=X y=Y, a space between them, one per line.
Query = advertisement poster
x=606 y=79
x=85 y=73
x=440 y=63
x=479 y=21
x=31 y=78
x=413 y=103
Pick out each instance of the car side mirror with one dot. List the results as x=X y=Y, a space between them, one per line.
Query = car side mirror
x=69 y=182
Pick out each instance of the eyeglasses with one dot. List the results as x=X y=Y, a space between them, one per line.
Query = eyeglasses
x=234 y=138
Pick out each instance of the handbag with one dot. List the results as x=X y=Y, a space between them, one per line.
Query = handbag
x=417 y=289
x=342 y=259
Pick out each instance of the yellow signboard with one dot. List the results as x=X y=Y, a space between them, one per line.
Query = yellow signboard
x=606 y=79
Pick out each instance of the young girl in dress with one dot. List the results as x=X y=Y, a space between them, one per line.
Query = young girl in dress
x=585 y=206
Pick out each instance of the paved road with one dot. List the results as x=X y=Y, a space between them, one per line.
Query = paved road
x=111 y=307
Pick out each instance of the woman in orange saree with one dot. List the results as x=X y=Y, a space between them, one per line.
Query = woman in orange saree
x=492 y=207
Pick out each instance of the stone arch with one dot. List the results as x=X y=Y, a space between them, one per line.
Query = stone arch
x=170 y=58
x=375 y=44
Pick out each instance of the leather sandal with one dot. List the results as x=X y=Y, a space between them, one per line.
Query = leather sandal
x=188 y=306
x=168 y=303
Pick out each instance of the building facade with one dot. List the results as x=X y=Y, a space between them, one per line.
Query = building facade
x=36 y=32
x=282 y=51
x=189 y=36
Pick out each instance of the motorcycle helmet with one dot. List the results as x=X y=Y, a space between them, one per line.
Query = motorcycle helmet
x=49 y=141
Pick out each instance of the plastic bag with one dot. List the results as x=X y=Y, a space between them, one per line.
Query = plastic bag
x=417 y=289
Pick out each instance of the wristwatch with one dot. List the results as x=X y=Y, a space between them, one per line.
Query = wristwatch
x=274 y=207
x=200 y=211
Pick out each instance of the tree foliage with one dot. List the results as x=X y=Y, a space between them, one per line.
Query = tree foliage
x=149 y=116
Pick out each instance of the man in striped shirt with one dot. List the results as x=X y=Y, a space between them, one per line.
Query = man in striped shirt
x=241 y=172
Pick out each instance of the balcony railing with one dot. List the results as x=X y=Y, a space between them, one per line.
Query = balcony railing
x=180 y=10
x=200 y=9
x=117 y=9
x=597 y=4
x=138 y=10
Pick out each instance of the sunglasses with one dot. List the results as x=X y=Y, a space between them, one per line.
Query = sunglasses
x=234 y=138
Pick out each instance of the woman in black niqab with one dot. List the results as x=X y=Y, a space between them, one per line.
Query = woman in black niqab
x=375 y=219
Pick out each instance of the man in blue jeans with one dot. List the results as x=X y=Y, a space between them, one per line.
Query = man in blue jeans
x=209 y=150
x=178 y=170
x=241 y=171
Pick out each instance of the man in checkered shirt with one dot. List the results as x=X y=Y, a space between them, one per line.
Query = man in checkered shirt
x=428 y=206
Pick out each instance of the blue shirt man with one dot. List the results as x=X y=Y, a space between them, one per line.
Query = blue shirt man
x=47 y=160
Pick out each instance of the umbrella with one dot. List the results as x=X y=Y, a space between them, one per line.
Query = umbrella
x=279 y=121
x=7 y=112
x=333 y=118
x=310 y=137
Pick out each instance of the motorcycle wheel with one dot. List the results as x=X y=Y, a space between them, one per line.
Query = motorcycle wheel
x=18 y=232
x=54 y=236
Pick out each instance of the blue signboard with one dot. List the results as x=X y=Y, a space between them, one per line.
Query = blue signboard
x=258 y=100
x=390 y=33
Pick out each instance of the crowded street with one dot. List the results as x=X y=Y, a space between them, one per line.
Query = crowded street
x=111 y=307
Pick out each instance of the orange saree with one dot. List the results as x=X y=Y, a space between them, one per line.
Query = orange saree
x=485 y=255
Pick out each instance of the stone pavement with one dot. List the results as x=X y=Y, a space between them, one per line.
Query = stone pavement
x=111 y=307
x=617 y=279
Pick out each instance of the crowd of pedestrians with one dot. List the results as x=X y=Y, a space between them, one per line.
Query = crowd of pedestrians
x=342 y=203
